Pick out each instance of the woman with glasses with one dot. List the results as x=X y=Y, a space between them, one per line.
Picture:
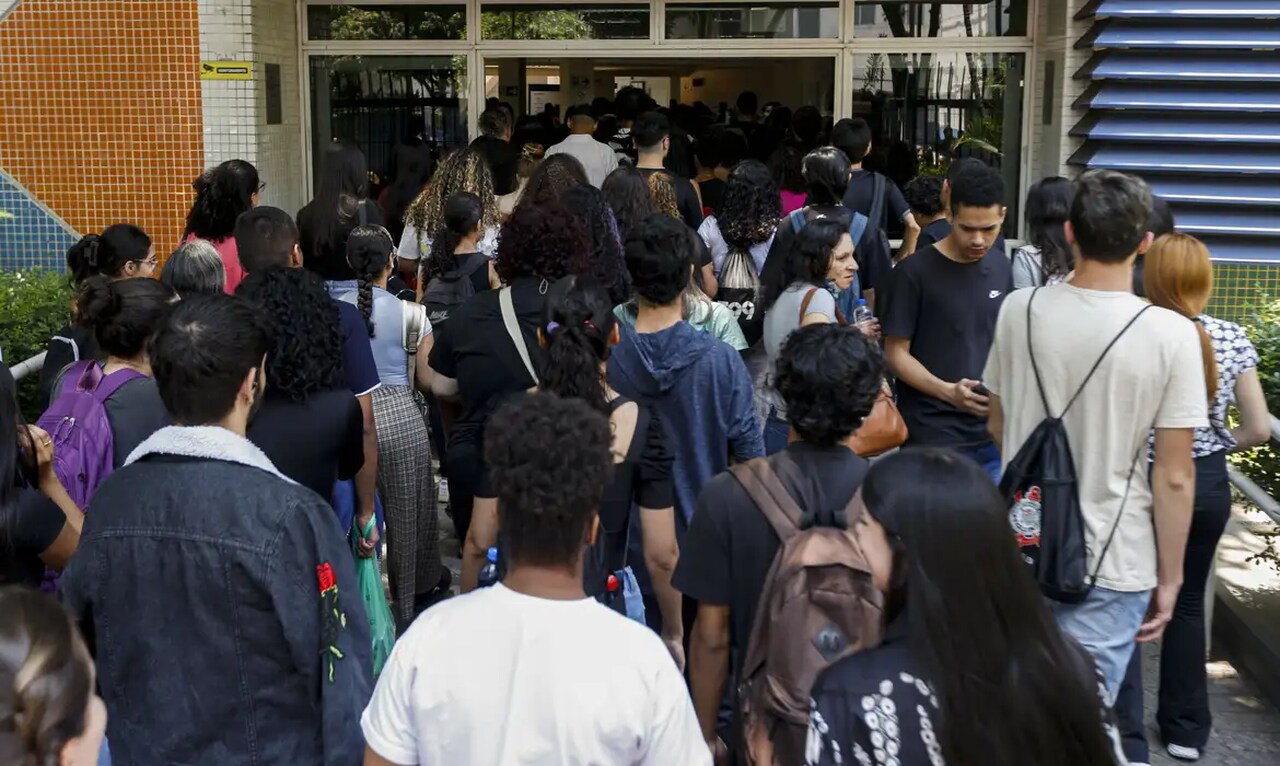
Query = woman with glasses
x=121 y=251
x=222 y=194
x=402 y=339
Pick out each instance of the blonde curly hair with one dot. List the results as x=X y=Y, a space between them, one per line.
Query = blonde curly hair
x=464 y=170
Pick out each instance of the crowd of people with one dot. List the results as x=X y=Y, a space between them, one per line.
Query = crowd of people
x=663 y=407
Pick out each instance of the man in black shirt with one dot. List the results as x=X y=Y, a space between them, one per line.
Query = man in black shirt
x=853 y=137
x=939 y=227
x=829 y=376
x=941 y=321
x=652 y=136
x=495 y=144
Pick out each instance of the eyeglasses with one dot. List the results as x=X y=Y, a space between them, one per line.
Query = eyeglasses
x=151 y=261
x=262 y=187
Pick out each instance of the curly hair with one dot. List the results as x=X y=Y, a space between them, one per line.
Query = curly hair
x=924 y=195
x=554 y=176
x=663 y=191
x=543 y=241
x=627 y=193
x=829 y=375
x=785 y=165
x=587 y=204
x=752 y=206
x=808 y=260
x=369 y=250
x=465 y=170
x=222 y=194
x=577 y=324
x=550 y=462
x=47 y=677
x=305 y=356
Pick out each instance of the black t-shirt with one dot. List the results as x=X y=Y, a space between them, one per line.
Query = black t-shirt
x=329 y=258
x=315 y=442
x=712 y=194
x=27 y=529
x=859 y=197
x=940 y=229
x=135 y=411
x=874 y=267
x=686 y=197
x=948 y=311
x=473 y=348
x=358 y=365
x=730 y=545
x=69 y=345
x=503 y=159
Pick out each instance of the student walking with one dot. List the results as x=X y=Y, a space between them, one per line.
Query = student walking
x=464 y=170
x=401 y=339
x=1126 y=374
x=210 y=546
x=531 y=670
x=973 y=669
x=1179 y=277
x=1046 y=259
x=941 y=319
x=222 y=194
x=341 y=204
x=597 y=159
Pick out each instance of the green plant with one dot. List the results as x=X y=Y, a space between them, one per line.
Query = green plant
x=1262 y=323
x=33 y=306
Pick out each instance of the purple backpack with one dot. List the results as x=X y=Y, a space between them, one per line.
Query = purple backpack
x=83 y=446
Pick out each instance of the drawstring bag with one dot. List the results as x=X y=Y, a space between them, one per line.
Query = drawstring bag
x=739 y=292
x=382 y=626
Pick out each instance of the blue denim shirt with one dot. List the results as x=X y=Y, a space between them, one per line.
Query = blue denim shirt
x=221 y=601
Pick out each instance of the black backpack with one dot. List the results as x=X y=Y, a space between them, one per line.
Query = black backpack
x=1040 y=486
x=448 y=291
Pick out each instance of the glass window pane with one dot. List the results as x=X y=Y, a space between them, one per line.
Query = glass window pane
x=949 y=18
x=386 y=22
x=564 y=22
x=926 y=109
x=753 y=21
x=378 y=101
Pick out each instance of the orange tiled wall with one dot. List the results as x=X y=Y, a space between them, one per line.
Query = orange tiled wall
x=100 y=110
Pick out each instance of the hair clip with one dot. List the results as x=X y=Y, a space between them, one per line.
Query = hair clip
x=587 y=322
x=552 y=327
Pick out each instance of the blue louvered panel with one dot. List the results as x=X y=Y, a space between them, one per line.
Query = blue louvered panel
x=1225 y=66
x=1186 y=93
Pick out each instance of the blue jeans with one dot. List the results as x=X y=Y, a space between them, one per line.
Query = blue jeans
x=776 y=433
x=1106 y=624
x=987 y=456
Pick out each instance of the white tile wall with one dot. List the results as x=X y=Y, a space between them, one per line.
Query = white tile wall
x=260 y=31
x=1056 y=34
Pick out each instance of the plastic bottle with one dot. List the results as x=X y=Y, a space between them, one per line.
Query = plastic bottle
x=862 y=312
x=489 y=572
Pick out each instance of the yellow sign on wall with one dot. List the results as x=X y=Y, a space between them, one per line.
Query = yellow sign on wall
x=226 y=70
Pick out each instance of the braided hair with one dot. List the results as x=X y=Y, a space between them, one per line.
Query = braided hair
x=46 y=679
x=369 y=250
x=465 y=170
x=577 y=327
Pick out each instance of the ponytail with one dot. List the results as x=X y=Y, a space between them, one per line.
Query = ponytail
x=369 y=249
x=577 y=328
x=1178 y=276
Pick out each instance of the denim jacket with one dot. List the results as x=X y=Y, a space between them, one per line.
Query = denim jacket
x=221 y=600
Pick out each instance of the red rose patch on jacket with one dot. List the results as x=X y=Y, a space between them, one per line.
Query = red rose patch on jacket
x=332 y=618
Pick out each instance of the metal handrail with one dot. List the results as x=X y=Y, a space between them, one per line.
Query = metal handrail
x=28 y=366
x=1251 y=491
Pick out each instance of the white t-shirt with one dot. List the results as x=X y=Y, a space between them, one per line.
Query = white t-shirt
x=597 y=159
x=1152 y=378
x=414 y=247
x=499 y=678
x=710 y=233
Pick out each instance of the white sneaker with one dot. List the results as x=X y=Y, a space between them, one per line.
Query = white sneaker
x=1183 y=753
x=442 y=492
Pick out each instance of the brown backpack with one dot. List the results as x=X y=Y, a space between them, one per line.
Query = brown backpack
x=817 y=606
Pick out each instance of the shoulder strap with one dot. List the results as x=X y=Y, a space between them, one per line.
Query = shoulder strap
x=765 y=489
x=415 y=318
x=797 y=220
x=110 y=384
x=877 y=199
x=857 y=228
x=804 y=304
x=363 y=213
x=513 y=329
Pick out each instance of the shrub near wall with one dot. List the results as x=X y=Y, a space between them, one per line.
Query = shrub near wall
x=1262 y=323
x=33 y=306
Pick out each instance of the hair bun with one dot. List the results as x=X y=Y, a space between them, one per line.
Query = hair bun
x=98 y=301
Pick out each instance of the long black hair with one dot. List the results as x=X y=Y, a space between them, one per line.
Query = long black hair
x=17 y=454
x=807 y=260
x=222 y=194
x=1010 y=687
x=1048 y=208
x=752 y=206
x=627 y=193
x=107 y=253
x=785 y=166
x=462 y=213
x=826 y=175
x=306 y=333
x=414 y=164
x=369 y=249
x=577 y=324
x=342 y=188
x=586 y=203
x=124 y=313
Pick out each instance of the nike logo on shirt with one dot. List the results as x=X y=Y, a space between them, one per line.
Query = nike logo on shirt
x=994 y=294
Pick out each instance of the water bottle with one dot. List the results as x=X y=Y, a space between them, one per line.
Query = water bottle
x=862 y=312
x=489 y=572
